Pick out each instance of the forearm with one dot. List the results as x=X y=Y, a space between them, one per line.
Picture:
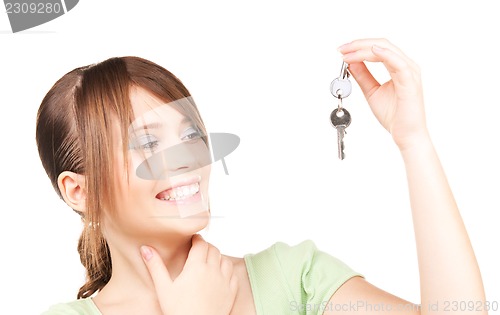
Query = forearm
x=447 y=264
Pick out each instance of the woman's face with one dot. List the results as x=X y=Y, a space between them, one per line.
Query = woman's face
x=168 y=169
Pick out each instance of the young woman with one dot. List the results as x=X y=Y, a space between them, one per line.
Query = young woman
x=126 y=148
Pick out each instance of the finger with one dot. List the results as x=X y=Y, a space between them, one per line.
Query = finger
x=157 y=270
x=199 y=250
x=361 y=56
x=365 y=79
x=226 y=267
x=363 y=48
x=369 y=55
x=233 y=286
x=213 y=255
x=360 y=44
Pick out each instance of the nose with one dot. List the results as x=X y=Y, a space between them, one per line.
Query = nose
x=177 y=159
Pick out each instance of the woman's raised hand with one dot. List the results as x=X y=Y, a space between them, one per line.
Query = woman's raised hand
x=398 y=103
x=206 y=284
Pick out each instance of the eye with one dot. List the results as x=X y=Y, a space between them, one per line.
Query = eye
x=191 y=133
x=145 y=142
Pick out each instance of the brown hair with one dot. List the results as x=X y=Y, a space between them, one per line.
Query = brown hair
x=73 y=133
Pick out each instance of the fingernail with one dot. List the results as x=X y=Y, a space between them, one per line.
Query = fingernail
x=377 y=48
x=146 y=252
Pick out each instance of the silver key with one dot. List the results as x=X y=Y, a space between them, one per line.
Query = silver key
x=341 y=88
x=341 y=119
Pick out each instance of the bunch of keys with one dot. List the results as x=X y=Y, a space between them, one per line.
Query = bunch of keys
x=341 y=119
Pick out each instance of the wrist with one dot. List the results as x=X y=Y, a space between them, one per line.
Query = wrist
x=416 y=143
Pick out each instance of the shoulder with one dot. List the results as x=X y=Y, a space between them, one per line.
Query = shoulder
x=76 y=307
x=281 y=250
x=300 y=257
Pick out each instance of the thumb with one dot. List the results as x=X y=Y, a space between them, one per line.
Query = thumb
x=157 y=270
x=365 y=79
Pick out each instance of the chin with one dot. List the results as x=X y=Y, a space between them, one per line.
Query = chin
x=201 y=218
x=194 y=223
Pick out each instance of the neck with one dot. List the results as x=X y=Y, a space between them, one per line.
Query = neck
x=130 y=279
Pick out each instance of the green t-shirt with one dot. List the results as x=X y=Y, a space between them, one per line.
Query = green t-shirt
x=285 y=279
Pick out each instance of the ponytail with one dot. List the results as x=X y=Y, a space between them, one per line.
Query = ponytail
x=96 y=258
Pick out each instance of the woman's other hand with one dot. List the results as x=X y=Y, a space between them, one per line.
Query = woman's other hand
x=398 y=103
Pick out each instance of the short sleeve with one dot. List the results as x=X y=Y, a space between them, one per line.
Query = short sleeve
x=297 y=279
x=320 y=274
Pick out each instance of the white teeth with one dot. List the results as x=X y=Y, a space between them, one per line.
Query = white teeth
x=193 y=190
x=185 y=191
x=182 y=192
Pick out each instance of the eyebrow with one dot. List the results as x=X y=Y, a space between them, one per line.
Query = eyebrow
x=157 y=125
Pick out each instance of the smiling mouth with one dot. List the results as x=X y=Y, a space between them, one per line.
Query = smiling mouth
x=179 y=193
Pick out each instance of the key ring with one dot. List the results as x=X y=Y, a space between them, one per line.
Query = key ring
x=339 y=106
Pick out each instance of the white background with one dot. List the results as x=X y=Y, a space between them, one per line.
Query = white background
x=262 y=70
